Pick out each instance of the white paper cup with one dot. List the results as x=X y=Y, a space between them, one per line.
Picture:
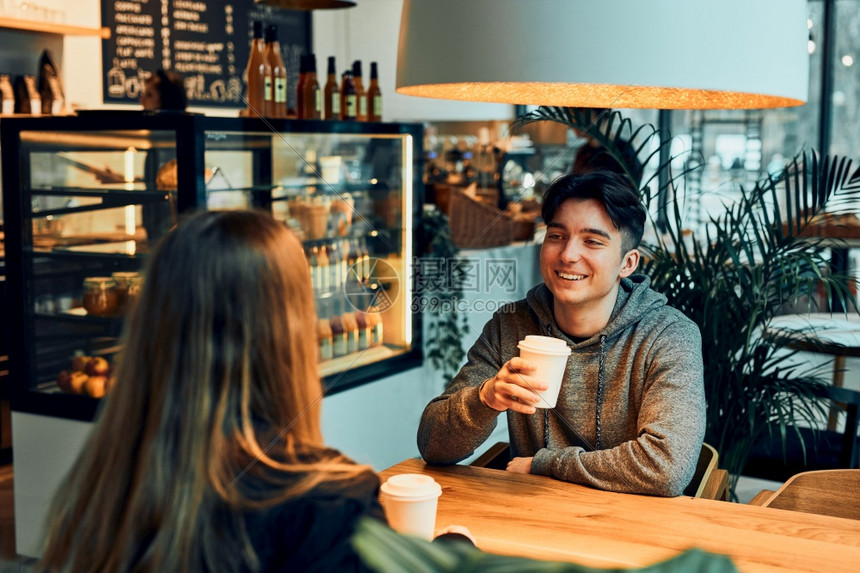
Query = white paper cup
x=330 y=169
x=549 y=355
x=409 y=501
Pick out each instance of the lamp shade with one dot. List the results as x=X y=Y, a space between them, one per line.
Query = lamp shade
x=657 y=54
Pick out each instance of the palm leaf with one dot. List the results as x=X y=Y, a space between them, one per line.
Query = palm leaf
x=383 y=550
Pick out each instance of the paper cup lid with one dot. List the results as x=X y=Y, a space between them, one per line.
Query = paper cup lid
x=545 y=345
x=411 y=486
x=545 y=341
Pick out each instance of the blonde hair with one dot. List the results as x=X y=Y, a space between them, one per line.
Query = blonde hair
x=218 y=382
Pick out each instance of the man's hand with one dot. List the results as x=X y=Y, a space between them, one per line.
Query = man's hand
x=513 y=388
x=520 y=465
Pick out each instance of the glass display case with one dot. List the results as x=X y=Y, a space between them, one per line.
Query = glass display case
x=86 y=197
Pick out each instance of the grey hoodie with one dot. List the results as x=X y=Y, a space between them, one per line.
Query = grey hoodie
x=634 y=392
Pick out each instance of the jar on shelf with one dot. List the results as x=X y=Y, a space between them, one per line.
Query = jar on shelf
x=128 y=285
x=100 y=296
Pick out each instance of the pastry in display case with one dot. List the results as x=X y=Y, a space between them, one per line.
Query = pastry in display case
x=92 y=194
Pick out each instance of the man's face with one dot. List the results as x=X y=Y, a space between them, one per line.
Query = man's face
x=581 y=258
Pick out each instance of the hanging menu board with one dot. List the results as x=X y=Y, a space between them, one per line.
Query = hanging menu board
x=208 y=42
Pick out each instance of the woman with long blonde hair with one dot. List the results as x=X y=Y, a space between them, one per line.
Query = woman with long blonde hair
x=208 y=454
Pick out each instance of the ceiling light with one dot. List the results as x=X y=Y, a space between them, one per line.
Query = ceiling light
x=659 y=54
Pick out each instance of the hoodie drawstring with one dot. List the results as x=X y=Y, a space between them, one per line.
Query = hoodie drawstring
x=598 y=406
x=600 y=369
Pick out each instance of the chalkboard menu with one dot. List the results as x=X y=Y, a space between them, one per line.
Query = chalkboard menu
x=208 y=42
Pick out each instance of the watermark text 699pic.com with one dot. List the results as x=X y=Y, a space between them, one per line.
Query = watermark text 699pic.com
x=486 y=285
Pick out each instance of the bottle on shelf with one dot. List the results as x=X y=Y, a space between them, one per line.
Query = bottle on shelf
x=374 y=95
x=360 y=95
x=27 y=98
x=350 y=327
x=355 y=262
x=278 y=107
x=300 y=85
x=376 y=333
x=324 y=336
x=324 y=270
x=364 y=253
x=313 y=267
x=344 y=262
x=332 y=92
x=7 y=95
x=348 y=102
x=335 y=266
x=364 y=333
x=338 y=334
x=348 y=257
x=311 y=96
x=258 y=75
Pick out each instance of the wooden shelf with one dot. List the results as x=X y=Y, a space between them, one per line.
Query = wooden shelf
x=52 y=28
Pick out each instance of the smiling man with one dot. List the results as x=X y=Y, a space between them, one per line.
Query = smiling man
x=631 y=413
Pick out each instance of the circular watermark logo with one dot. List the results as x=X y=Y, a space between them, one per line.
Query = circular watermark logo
x=372 y=285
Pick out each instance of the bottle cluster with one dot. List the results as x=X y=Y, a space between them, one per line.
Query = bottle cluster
x=341 y=332
x=336 y=263
x=266 y=74
x=356 y=103
x=339 y=266
x=267 y=85
x=40 y=94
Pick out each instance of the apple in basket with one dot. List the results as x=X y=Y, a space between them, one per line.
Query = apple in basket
x=96 y=386
x=97 y=366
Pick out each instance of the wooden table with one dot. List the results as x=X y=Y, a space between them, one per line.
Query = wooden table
x=543 y=518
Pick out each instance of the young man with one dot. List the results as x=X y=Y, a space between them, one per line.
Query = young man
x=631 y=413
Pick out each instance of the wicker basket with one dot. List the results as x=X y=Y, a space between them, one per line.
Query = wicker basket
x=477 y=225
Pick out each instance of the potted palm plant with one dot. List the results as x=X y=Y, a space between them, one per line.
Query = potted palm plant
x=734 y=274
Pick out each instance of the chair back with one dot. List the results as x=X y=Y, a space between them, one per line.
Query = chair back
x=496 y=457
x=825 y=492
x=708 y=481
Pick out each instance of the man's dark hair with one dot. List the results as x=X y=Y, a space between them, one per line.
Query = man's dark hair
x=171 y=86
x=614 y=192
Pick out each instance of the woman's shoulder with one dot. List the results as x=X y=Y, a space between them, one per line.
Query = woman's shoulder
x=311 y=531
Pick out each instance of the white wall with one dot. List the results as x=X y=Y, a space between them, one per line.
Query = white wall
x=369 y=31
x=44 y=450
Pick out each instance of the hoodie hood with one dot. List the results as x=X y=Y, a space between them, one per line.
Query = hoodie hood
x=635 y=300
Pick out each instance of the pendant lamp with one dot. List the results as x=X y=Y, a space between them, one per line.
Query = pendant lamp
x=655 y=54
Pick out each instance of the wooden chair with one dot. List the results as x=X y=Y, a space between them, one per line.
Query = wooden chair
x=708 y=481
x=825 y=492
x=496 y=457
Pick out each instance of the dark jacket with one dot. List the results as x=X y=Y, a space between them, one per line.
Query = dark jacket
x=312 y=532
